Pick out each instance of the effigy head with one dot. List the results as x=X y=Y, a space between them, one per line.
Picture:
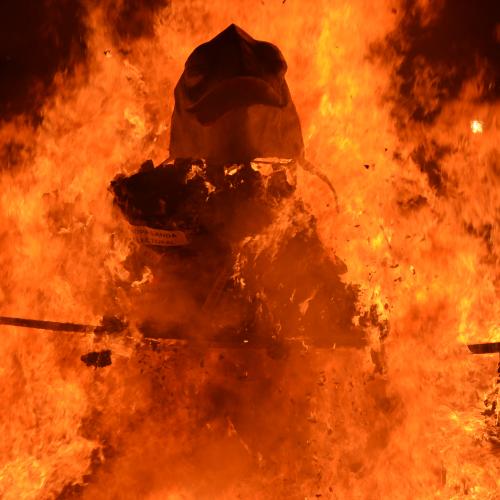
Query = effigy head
x=232 y=103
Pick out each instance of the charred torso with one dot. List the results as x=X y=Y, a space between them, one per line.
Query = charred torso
x=246 y=273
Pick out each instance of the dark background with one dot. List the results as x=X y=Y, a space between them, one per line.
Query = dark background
x=40 y=37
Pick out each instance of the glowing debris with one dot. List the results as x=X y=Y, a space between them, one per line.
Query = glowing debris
x=476 y=126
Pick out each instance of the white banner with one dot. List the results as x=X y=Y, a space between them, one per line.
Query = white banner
x=159 y=237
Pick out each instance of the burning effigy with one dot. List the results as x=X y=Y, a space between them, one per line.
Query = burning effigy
x=299 y=299
x=213 y=211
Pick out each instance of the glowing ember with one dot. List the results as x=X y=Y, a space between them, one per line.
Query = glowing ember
x=476 y=126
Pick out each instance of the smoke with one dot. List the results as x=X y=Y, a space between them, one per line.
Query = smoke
x=441 y=46
x=436 y=50
x=133 y=19
x=39 y=39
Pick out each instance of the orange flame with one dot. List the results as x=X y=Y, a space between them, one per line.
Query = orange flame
x=320 y=422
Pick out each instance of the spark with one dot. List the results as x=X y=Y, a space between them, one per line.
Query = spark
x=476 y=126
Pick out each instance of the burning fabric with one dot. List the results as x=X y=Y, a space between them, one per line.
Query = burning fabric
x=232 y=103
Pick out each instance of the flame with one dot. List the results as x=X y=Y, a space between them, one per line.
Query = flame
x=476 y=126
x=416 y=223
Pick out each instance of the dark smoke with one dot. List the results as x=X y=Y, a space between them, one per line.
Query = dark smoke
x=460 y=42
x=436 y=57
x=133 y=19
x=39 y=38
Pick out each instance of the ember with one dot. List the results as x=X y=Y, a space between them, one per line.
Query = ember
x=264 y=307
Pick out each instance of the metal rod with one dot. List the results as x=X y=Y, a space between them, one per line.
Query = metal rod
x=49 y=325
x=58 y=326
x=152 y=339
x=486 y=348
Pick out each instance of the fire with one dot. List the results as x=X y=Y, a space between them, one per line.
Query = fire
x=476 y=126
x=412 y=227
